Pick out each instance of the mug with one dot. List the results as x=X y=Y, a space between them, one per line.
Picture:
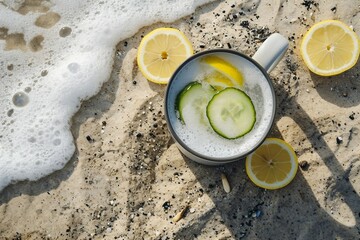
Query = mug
x=212 y=149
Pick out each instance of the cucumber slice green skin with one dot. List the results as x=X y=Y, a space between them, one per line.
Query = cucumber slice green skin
x=180 y=96
x=195 y=96
x=231 y=113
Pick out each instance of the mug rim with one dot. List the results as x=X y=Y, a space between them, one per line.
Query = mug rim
x=175 y=135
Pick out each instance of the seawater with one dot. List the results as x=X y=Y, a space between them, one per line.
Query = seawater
x=203 y=140
x=55 y=54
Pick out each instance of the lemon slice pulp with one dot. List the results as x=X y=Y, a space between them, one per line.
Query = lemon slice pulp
x=160 y=52
x=330 y=47
x=273 y=165
x=224 y=74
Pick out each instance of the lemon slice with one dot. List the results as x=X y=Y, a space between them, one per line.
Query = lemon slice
x=160 y=52
x=330 y=47
x=273 y=165
x=218 y=81
x=224 y=75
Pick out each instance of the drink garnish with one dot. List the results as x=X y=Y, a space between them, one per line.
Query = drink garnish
x=273 y=165
x=330 y=47
x=160 y=52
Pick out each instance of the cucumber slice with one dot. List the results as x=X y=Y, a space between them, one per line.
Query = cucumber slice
x=192 y=102
x=231 y=113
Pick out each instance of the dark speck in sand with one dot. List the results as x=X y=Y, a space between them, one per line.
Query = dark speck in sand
x=339 y=140
x=10 y=67
x=166 y=205
x=304 y=165
x=291 y=65
x=242 y=234
x=89 y=138
x=261 y=33
x=352 y=116
x=245 y=24
x=309 y=4
x=248 y=223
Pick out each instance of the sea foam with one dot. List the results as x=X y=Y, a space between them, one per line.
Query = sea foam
x=53 y=56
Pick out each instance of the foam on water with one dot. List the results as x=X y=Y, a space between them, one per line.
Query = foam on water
x=205 y=141
x=53 y=56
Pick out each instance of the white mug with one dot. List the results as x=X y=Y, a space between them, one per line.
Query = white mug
x=263 y=61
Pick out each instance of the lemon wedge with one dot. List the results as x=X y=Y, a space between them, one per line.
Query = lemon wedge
x=224 y=74
x=330 y=47
x=273 y=165
x=160 y=52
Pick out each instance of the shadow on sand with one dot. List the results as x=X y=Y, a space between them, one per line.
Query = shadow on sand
x=289 y=213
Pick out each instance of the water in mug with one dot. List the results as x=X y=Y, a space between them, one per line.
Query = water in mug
x=199 y=137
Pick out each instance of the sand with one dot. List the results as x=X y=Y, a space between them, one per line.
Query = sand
x=127 y=179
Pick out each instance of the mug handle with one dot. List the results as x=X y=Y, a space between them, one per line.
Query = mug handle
x=271 y=51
